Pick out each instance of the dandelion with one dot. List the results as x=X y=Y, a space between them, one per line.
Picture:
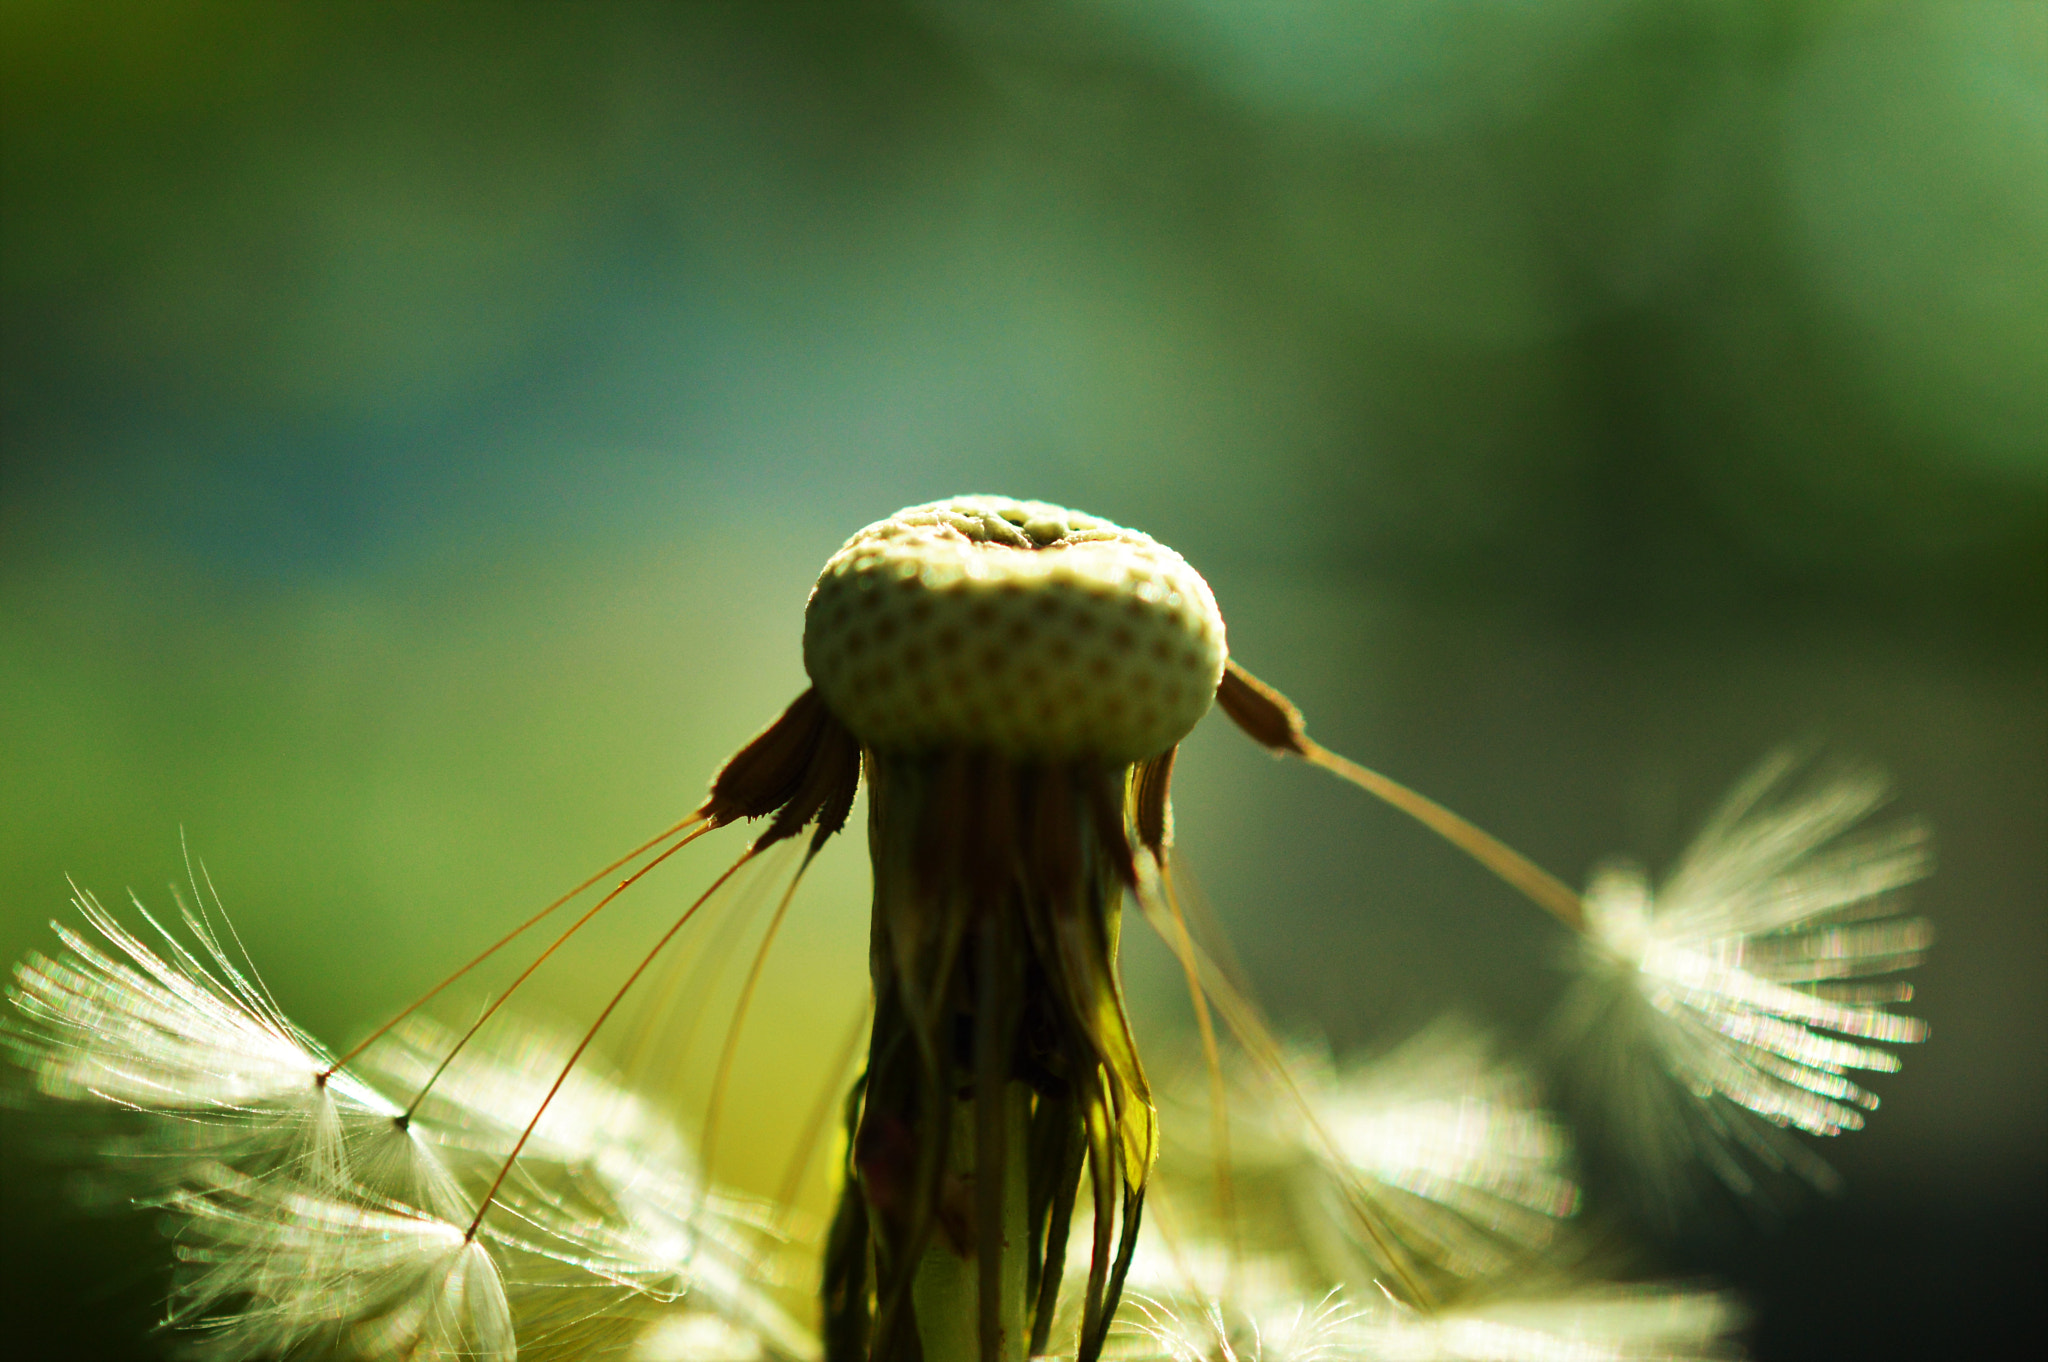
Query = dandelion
x=1012 y=680
x=1727 y=980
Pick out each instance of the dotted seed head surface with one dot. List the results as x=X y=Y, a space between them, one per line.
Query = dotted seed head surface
x=1014 y=627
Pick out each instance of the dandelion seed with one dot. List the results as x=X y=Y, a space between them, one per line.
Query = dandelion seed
x=606 y=1185
x=1450 y=1143
x=1728 y=977
x=1723 y=979
x=270 y=1267
x=1199 y=1328
x=187 y=1039
x=1588 y=1324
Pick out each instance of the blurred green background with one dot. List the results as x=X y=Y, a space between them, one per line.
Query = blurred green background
x=422 y=424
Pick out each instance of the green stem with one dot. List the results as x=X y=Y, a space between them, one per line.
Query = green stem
x=946 y=1291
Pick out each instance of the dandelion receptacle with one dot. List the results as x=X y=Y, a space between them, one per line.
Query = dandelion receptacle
x=1018 y=676
x=1010 y=680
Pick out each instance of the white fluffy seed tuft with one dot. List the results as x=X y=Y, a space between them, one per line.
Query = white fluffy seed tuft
x=1731 y=975
x=191 y=1039
x=1470 y=1172
x=272 y=1269
x=1589 y=1322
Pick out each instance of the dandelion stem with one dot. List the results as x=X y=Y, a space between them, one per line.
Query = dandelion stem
x=588 y=1036
x=970 y=1298
x=510 y=937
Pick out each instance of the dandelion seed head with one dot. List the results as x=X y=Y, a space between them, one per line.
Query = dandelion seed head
x=1016 y=627
x=999 y=668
